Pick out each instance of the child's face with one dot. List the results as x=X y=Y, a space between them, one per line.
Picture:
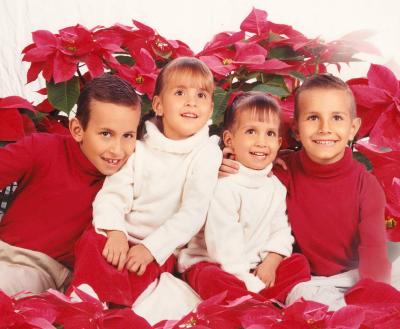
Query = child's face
x=110 y=136
x=254 y=143
x=184 y=106
x=325 y=124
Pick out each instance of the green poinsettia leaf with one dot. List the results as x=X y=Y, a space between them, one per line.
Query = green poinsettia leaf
x=64 y=95
x=220 y=100
x=284 y=53
x=271 y=88
x=128 y=60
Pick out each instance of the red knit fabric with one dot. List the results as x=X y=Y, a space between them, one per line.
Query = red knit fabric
x=53 y=203
x=208 y=279
x=111 y=285
x=337 y=216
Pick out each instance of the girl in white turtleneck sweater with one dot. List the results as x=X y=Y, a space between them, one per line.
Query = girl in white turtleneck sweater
x=246 y=245
x=158 y=201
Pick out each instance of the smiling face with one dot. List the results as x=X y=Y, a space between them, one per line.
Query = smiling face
x=254 y=142
x=325 y=124
x=110 y=135
x=184 y=104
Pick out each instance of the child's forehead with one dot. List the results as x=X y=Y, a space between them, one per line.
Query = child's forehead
x=187 y=79
x=254 y=116
x=324 y=99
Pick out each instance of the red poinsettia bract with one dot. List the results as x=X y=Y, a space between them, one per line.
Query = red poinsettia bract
x=57 y=55
x=13 y=124
x=378 y=104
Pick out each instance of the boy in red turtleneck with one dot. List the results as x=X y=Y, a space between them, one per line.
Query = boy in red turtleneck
x=58 y=178
x=335 y=207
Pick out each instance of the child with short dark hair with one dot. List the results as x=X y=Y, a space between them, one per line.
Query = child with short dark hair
x=58 y=177
x=246 y=245
x=335 y=207
x=158 y=201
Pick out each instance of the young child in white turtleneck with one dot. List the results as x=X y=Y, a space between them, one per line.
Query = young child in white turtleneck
x=246 y=245
x=159 y=200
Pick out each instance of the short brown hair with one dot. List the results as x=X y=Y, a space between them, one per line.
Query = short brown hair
x=324 y=81
x=258 y=102
x=106 y=88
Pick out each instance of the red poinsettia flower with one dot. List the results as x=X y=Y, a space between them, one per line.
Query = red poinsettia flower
x=225 y=60
x=13 y=124
x=147 y=38
x=378 y=103
x=143 y=75
x=386 y=166
x=57 y=55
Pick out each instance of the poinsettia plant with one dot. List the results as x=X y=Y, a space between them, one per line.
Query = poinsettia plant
x=262 y=55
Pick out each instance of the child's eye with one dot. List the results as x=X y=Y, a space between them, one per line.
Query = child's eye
x=179 y=92
x=312 y=117
x=202 y=95
x=105 y=133
x=129 y=135
x=337 y=117
x=250 y=131
x=271 y=133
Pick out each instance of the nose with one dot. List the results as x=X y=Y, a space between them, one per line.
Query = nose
x=261 y=140
x=324 y=126
x=190 y=100
x=116 y=147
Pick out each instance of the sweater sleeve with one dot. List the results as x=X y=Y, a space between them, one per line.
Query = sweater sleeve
x=16 y=161
x=225 y=237
x=280 y=239
x=373 y=260
x=114 y=200
x=189 y=218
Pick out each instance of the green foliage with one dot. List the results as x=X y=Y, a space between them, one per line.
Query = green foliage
x=64 y=95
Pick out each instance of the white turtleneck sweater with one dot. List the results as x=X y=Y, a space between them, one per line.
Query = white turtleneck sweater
x=246 y=220
x=161 y=196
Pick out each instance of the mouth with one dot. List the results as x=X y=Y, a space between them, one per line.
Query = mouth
x=325 y=142
x=259 y=155
x=112 y=162
x=189 y=115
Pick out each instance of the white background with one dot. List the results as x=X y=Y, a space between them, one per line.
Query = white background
x=195 y=23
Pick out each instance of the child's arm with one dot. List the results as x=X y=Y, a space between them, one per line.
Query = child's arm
x=116 y=249
x=266 y=271
x=16 y=161
x=373 y=262
x=191 y=214
x=224 y=236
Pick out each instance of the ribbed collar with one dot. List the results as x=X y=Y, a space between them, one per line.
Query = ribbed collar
x=250 y=177
x=157 y=140
x=332 y=170
x=80 y=160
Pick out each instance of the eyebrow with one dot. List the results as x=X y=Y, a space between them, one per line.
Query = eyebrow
x=113 y=131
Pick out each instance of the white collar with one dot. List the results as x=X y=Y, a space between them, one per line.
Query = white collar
x=157 y=140
x=250 y=177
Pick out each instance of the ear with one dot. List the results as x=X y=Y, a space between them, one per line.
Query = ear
x=76 y=129
x=227 y=138
x=280 y=141
x=157 y=106
x=295 y=128
x=355 y=126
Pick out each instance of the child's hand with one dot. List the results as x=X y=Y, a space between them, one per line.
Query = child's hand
x=138 y=259
x=228 y=165
x=266 y=271
x=116 y=249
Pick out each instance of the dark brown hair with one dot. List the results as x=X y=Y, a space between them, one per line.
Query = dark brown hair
x=258 y=103
x=324 y=81
x=106 y=88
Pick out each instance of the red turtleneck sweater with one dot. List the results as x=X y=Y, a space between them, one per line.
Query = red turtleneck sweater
x=53 y=203
x=337 y=216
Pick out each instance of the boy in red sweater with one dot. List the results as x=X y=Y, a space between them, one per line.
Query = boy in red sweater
x=335 y=207
x=58 y=178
